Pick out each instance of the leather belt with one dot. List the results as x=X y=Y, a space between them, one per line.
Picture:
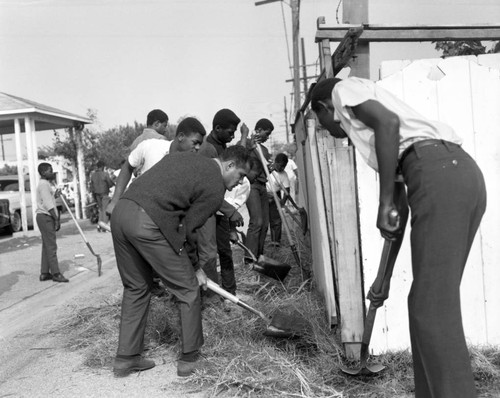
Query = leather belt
x=418 y=144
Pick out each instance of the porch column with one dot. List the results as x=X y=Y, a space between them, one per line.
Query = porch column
x=30 y=148
x=19 y=157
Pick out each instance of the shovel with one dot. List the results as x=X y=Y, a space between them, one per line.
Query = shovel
x=99 y=260
x=305 y=273
x=380 y=287
x=302 y=212
x=279 y=325
x=267 y=266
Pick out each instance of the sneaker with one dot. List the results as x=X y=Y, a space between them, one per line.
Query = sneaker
x=123 y=367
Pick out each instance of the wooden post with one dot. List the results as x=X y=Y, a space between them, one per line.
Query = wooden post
x=20 y=175
x=31 y=168
x=286 y=122
x=296 y=63
x=81 y=171
x=304 y=65
x=356 y=12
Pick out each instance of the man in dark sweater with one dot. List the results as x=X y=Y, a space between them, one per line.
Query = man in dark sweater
x=151 y=226
x=214 y=236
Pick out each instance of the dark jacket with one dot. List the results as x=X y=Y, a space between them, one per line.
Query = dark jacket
x=179 y=193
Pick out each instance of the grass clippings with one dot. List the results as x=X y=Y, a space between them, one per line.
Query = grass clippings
x=245 y=363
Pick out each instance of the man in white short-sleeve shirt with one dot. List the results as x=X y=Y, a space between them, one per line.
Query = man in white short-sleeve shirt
x=446 y=194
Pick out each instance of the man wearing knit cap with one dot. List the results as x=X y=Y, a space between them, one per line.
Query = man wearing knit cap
x=151 y=225
x=257 y=203
x=214 y=235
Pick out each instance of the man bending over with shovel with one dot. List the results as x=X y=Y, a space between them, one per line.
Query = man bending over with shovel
x=151 y=225
x=447 y=199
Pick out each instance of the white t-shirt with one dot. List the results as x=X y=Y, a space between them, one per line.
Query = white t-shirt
x=413 y=126
x=275 y=176
x=148 y=153
x=238 y=196
x=290 y=168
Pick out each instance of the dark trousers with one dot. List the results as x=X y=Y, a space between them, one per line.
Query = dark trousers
x=274 y=219
x=50 y=264
x=207 y=251
x=447 y=198
x=140 y=248
x=258 y=210
x=228 y=281
x=102 y=202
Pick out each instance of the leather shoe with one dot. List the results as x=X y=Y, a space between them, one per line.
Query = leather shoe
x=59 y=278
x=45 y=277
x=185 y=369
x=123 y=367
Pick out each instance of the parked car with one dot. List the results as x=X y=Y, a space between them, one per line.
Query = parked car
x=5 y=225
x=9 y=189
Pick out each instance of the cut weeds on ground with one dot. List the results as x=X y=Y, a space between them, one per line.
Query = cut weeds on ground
x=243 y=362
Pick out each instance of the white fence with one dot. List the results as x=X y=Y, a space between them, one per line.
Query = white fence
x=465 y=93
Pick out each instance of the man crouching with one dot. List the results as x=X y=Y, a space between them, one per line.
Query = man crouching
x=152 y=225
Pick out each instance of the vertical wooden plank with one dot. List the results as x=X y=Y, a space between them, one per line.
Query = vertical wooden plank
x=347 y=247
x=320 y=246
x=299 y=131
x=325 y=144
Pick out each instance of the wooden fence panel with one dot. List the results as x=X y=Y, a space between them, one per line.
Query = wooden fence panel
x=320 y=246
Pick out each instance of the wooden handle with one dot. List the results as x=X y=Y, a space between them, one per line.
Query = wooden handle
x=231 y=297
x=221 y=292
x=276 y=199
x=254 y=259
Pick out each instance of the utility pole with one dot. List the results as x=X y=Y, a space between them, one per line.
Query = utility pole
x=295 y=5
x=304 y=66
x=286 y=120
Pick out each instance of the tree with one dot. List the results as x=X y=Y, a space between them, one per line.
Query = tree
x=468 y=47
x=8 y=170
x=64 y=144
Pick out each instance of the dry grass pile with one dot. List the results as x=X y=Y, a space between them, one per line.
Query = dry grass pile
x=244 y=362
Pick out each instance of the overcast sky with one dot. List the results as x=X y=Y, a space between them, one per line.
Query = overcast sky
x=187 y=57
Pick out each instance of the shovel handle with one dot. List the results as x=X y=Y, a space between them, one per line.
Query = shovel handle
x=231 y=297
x=285 y=192
x=247 y=250
x=278 y=204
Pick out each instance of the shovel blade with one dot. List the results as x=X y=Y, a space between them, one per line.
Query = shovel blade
x=368 y=370
x=276 y=271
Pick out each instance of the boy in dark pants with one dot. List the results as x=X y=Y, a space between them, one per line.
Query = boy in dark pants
x=447 y=199
x=152 y=224
x=258 y=203
x=47 y=219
